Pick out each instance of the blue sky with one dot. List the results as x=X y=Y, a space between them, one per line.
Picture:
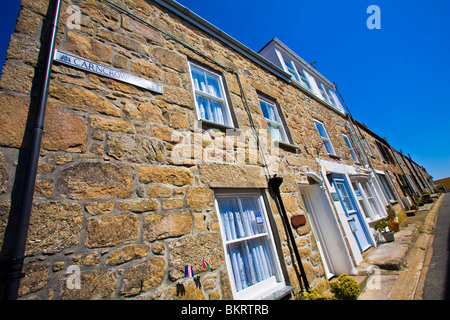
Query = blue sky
x=395 y=79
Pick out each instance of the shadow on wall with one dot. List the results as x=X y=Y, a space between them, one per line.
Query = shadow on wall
x=17 y=191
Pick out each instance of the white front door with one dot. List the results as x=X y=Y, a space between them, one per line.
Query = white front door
x=318 y=233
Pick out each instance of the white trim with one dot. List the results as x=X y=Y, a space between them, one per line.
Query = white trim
x=327 y=166
x=318 y=233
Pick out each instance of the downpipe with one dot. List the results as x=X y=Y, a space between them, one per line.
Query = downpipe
x=274 y=186
x=24 y=212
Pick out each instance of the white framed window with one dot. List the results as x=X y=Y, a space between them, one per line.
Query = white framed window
x=332 y=98
x=367 y=200
x=386 y=187
x=273 y=119
x=210 y=101
x=350 y=146
x=324 y=93
x=326 y=140
x=303 y=78
x=297 y=73
x=290 y=68
x=250 y=253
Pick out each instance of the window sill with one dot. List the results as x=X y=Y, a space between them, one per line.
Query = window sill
x=286 y=145
x=280 y=294
x=333 y=156
x=205 y=124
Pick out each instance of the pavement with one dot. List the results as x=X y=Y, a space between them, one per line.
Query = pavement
x=437 y=282
x=397 y=270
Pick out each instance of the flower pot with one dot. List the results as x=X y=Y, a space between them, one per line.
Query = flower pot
x=388 y=236
x=393 y=225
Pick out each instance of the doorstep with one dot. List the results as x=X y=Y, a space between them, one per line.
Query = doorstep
x=392 y=255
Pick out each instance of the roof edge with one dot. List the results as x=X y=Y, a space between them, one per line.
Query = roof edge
x=209 y=28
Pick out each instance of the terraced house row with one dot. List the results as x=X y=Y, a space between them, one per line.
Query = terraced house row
x=146 y=154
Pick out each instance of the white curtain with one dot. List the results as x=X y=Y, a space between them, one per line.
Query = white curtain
x=251 y=259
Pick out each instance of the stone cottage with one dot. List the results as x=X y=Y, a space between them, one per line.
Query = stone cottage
x=156 y=168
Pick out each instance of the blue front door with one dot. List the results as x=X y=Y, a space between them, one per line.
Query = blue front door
x=354 y=217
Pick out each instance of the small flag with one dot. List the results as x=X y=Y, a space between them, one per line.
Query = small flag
x=188 y=271
x=206 y=263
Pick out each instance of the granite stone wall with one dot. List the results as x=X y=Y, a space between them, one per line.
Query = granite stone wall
x=127 y=177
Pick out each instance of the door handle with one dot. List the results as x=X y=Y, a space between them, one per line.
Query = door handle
x=352 y=219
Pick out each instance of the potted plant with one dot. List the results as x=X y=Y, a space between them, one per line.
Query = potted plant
x=426 y=198
x=391 y=219
x=418 y=200
x=381 y=226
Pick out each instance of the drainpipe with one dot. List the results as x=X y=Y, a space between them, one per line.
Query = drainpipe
x=274 y=185
x=24 y=212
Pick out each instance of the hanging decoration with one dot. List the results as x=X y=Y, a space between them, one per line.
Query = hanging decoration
x=206 y=264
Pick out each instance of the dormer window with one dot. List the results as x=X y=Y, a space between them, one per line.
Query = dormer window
x=303 y=79
x=290 y=68
x=324 y=92
x=301 y=73
x=332 y=99
x=297 y=73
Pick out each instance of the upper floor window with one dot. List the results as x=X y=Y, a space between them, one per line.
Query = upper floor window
x=303 y=79
x=273 y=119
x=290 y=68
x=326 y=140
x=384 y=152
x=350 y=146
x=210 y=100
x=324 y=93
x=332 y=98
x=386 y=187
x=297 y=73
